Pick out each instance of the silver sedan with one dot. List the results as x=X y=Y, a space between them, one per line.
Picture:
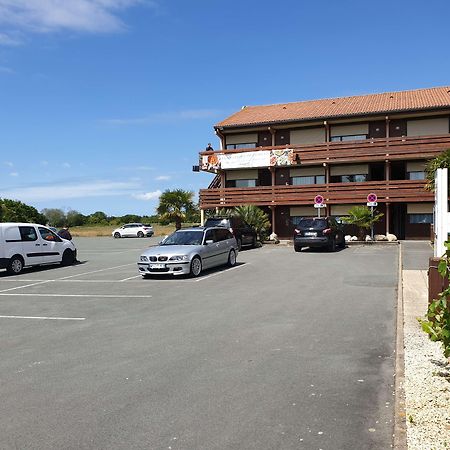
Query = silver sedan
x=188 y=251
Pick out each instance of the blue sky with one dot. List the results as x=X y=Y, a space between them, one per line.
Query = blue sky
x=106 y=103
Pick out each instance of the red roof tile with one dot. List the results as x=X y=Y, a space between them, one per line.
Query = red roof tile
x=387 y=102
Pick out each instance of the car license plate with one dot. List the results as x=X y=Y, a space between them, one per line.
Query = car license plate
x=157 y=266
x=310 y=233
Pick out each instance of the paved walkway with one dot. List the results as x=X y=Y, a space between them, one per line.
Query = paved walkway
x=427 y=390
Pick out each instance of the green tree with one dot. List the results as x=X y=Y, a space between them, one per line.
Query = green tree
x=175 y=206
x=75 y=219
x=362 y=217
x=97 y=218
x=255 y=217
x=441 y=161
x=55 y=217
x=16 y=211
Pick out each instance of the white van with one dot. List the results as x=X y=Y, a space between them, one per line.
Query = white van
x=29 y=244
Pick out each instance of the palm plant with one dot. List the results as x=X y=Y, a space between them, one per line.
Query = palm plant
x=441 y=161
x=255 y=217
x=362 y=217
x=175 y=206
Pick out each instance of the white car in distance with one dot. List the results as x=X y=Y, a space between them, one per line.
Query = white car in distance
x=139 y=230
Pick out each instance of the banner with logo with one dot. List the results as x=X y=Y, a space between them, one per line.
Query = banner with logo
x=246 y=160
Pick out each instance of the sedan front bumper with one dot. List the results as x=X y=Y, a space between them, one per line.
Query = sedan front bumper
x=169 y=268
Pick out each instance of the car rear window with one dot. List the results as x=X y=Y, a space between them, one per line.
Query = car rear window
x=217 y=223
x=313 y=223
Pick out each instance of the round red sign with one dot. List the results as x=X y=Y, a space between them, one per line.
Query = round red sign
x=318 y=199
x=371 y=198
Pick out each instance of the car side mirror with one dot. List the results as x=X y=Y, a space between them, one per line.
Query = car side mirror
x=209 y=241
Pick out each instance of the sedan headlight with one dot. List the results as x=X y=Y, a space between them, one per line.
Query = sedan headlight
x=179 y=258
x=144 y=258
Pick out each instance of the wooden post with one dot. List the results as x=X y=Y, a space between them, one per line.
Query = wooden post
x=388 y=216
x=202 y=217
x=273 y=218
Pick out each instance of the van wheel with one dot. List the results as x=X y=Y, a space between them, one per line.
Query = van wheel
x=15 y=265
x=67 y=258
x=232 y=258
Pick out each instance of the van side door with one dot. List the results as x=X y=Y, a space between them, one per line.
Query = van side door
x=52 y=246
x=31 y=245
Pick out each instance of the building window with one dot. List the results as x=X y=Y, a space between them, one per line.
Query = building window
x=314 y=179
x=420 y=218
x=242 y=145
x=349 y=178
x=241 y=183
x=349 y=137
x=416 y=175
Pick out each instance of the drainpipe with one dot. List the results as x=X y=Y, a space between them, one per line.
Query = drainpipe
x=272 y=132
x=221 y=137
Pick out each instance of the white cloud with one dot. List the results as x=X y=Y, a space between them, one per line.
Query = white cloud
x=97 y=188
x=45 y=16
x=6 y=70
x=9 y=164
x=148 y=195
x=66 y=165
x=165 y=117
x=163 y=178
x=14 y=174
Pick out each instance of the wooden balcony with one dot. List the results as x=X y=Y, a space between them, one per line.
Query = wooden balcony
x=386 y=149
x=334 y=193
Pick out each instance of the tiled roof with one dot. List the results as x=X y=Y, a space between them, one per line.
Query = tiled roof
x=388 y=102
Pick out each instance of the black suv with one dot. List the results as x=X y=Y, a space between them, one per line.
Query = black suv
x=245 y=235
x=318 y=232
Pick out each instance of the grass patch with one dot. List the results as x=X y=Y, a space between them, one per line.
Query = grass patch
x=106 y=230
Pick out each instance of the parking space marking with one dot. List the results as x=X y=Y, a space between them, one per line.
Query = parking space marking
x=129 y=278
x=74 y=295
x=26 y=285
x=96 y=271
x=218 y=273
x=42 y=318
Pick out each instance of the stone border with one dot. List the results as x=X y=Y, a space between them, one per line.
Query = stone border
x=400 y=441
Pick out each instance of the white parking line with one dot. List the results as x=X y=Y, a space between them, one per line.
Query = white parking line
x=197 y=280
x=129 y=278
x=75 y=295
x=43 y=318
x=24 y=286
x=96 y=271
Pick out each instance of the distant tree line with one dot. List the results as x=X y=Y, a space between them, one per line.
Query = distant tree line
x=174 y=206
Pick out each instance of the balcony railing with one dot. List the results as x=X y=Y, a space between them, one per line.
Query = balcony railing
x=334 y=193
x=367 y=150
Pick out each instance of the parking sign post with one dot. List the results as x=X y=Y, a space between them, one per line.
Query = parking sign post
x=319 y=204
x=372 y=202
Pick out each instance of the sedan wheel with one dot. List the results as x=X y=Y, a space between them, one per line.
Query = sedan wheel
x=117 y=235
x=232 y=258
x=239 y=244
x=298 y=248
x=196 y=266
x=140 y=234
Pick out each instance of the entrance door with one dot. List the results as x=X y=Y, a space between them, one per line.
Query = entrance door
x=398 y=219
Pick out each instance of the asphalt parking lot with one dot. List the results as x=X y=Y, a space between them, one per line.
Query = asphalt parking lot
x=285 y=350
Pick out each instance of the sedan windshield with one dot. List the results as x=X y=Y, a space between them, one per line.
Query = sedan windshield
x=184 y=238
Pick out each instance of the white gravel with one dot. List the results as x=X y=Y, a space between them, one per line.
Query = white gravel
x=427 y=373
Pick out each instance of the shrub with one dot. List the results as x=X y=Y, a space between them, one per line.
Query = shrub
x=437 y=323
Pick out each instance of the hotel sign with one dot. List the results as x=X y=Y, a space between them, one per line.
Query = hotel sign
x=247 y=160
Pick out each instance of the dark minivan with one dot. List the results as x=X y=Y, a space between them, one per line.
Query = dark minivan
x=245 y=234
x=318 y=232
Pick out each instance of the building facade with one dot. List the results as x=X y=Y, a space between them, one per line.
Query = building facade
x=279 y=157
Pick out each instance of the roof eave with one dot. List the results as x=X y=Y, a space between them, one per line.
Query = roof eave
x=340 y=116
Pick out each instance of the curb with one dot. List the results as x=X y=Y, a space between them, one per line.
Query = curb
x=400 y=441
